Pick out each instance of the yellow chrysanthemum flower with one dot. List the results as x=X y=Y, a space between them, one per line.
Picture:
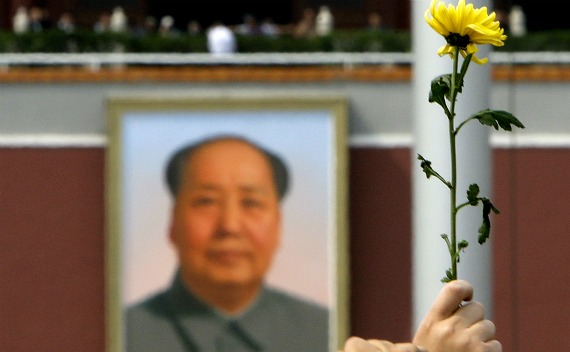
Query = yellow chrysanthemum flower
x=464 y=27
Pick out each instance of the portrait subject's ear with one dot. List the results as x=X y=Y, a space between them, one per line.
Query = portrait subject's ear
x=280 y=226
x=171 y=236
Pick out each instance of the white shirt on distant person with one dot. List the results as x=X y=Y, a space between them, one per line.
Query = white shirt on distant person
x=221 y=40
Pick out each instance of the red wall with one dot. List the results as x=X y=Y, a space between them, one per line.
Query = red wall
x=532 y=249
x=51 y=250
x=380 y=232
x=52 y=247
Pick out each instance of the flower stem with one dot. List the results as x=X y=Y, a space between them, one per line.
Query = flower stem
x=453 y=150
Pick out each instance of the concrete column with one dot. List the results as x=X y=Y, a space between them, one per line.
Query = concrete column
x=430 y=205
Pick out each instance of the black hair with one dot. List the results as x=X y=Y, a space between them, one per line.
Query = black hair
x=178 y=160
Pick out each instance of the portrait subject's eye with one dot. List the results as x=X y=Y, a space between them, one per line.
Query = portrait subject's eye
x=252 y=203
x=203 y=200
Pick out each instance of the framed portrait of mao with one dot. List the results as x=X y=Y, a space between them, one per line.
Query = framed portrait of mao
x=198 y=185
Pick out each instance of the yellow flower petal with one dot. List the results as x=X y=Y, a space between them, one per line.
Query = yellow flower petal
x=464 y=26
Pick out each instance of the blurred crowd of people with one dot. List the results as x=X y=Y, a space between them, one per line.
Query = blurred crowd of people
x=221 y=36
x=312 y=22
x=35 y=19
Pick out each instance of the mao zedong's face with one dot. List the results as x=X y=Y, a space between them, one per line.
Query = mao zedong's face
x=226 y=220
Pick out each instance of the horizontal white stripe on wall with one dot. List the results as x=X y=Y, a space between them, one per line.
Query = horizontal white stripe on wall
x=42 y=140
x=388 y=140
x=405 y=140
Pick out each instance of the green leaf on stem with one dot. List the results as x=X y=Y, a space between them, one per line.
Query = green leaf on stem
x=440 y=89
x=426 y=166
x=485 y=229
x=462 y=73
x=429 y=171
x=472 y=193
x=448 y=242
x=448 y=276
x=498 y=118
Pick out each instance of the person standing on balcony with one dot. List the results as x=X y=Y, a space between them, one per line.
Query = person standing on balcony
x=324 y=22
x=21 y=21
x=305 y=28
x=118 y=21
x=221 y=39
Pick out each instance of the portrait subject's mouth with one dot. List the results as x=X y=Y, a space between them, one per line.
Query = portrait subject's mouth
x=228 y=256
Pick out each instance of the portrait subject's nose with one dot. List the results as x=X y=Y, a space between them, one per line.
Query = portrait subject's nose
x=231 y=216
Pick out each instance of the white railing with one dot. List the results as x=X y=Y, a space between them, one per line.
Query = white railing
x=96 y=60
x=269 y=59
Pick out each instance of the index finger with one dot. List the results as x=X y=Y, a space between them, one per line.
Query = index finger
x=450 y=297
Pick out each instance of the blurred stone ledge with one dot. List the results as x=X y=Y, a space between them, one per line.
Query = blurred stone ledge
x=234 y=73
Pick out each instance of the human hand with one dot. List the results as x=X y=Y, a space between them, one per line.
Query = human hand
x=357 y=344
x=457 y=324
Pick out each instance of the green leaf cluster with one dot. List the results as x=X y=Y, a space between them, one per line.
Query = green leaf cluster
x=498 y=118
x=429 y=171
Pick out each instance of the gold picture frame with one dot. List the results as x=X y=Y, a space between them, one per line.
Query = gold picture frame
x=310 y=132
